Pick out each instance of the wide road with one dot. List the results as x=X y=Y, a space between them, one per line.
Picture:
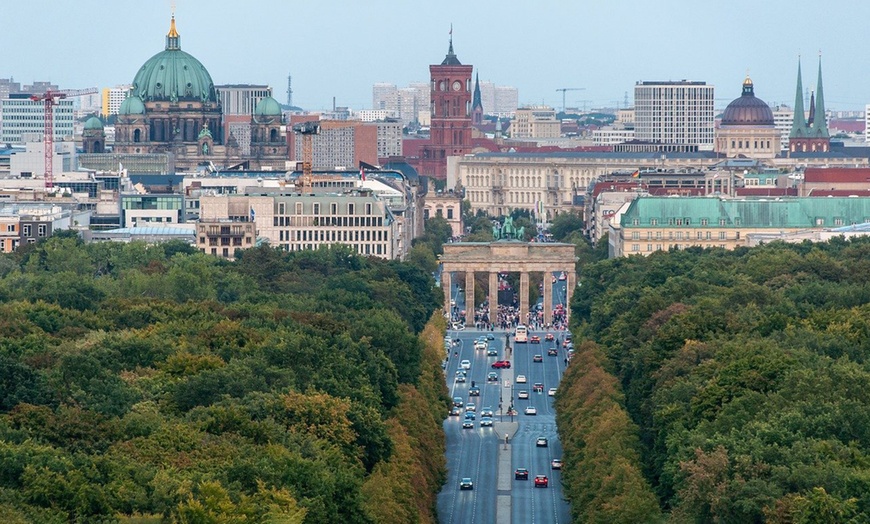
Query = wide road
x=474 y=452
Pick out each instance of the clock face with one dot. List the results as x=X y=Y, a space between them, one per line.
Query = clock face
x=443 y=85
x=457 y=85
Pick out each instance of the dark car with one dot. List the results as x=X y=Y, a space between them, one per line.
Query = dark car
x=538 y=387
x=474 y=391
x=521 y=474
x=535 y=339
x=492 y=377
x=455 y=412
x=458 y=402
x=538 y=358
x=552 y=353
x=466 y=483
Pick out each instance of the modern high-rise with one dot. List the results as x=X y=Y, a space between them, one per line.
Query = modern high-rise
x=21 y=117
x=112 y=98
x=404 y=103
x=501 y=101
x=241 y=99
x=674 y=113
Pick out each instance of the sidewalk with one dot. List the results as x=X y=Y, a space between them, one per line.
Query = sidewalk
x=505 y=473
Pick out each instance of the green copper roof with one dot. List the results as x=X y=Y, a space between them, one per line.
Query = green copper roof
x=810 y=212
x=174 y=75
x=93 y=123
x=798 y=123
x=820 y=125
x=268 y=106
x=132 y=105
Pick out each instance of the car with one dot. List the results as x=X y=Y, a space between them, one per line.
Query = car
x=541 y=442
x=499 y=364
x=492 y=352
x=467 y=424
x=486 y=412
x=538 y=358
x=551 y=392
x=531 y=410
x=553 y=352
x=556 y=463
x=474 y=391
x=466 y=483
x=549 y=337
x=521 y=474
x=521 y=379
x=541 y=481
x=492 y=376
x=461 y=372
x=522 y=394
x=563 y=276
x=465 y=364
x=460 y=378
x=471 y=406
x=535 y=339
x=458 y=402
x=469 y=415
x=538 y=387
x=490 y=336
x=454 y=411
x=486 y=422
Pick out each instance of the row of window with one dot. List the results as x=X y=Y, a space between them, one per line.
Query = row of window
x=635 y=248
x=332 y=236
x=349 y=208
x=723 y=222
x=678 y=235
x=326 y=221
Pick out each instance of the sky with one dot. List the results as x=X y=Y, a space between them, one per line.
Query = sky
x=339 y=49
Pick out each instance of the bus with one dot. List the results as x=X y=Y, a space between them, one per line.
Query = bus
x=521 y=335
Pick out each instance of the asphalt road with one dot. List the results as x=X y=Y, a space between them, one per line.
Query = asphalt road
x=474 y=452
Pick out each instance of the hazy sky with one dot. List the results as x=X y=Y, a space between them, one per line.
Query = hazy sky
x=340 y=48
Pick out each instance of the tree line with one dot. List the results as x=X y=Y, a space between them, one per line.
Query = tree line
x=152 y=383
x=724 y=386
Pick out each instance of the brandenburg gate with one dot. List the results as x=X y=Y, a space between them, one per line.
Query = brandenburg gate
x=508 y=256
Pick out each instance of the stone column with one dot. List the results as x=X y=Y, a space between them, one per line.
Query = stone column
x=548 y=296
x=446 y=283
x=524 y=297
x=493 y=297
x=570 y=284
x=469 y=298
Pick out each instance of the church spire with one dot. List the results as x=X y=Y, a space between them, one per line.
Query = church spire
x=173 y=39
x=820 y=126
x=476 y=103
x=799 y=124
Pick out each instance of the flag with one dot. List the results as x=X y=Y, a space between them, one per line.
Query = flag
x=636 y=174
x=362 y=173
x=253 y=215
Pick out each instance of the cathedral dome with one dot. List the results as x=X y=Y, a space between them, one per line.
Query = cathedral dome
x=132 y=105
x=94 y=123
x=268 y=106
x=747 y=110
x=174 y=75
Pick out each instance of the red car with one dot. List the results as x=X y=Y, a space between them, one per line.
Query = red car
x=498 y=364
x=549 y=337
x=541 y=481
x=535 y=339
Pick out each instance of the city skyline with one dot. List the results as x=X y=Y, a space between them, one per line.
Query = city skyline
x=339 y=49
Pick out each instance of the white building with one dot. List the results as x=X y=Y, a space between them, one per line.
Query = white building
x=389 y=138
x=679 y=113
x=608 y=136
x=21 y=117
x=867 y=123
x=112 y=98
x=385 y=97
x=403 y=103
x=536 y=122
x=372 y=115
x=241 y=99
x=783 y=116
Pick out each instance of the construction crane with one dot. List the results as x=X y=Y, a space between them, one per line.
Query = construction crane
x=50 y=99
x=307 y=130
x=566 y=89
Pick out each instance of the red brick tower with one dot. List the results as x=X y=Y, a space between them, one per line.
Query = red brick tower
x=450 y=128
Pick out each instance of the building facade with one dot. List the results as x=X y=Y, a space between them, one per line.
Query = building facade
x=22 y=119
x=450 y=121
x=675 y=113
x=112 y=98
x=649 y=224
x=535 y=122
x=748 y=128
x=809 y=134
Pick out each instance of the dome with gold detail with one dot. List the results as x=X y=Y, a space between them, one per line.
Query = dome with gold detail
x=173 y=75
x=747 y=110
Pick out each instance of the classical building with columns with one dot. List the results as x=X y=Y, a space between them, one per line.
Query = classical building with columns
x=508 y=256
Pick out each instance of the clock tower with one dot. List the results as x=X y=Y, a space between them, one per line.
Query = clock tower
x=450 y=110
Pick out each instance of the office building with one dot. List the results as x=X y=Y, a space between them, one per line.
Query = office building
x=674 y=113
x=23 y=118
x=535 y=122
x=112 y=98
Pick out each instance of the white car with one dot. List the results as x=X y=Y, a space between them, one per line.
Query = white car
x=551 y=392
x=531 y=410
x=471 y=406
x=521 y=379
x=523 y=393
x=465 y=364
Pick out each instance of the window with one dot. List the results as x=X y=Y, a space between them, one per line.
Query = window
x=41 y=230
x=819 y=222
x=838 y=221
x=298 y=208
x=722 y=235
x=635 y=221
x=703 y=221
x=722 y=222
x=635 y=247
x=316 y=208
x=653 y=221
x=26 y=231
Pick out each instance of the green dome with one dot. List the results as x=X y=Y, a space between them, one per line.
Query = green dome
x=132 y=105
x=93 y=123
x=174 y=75
x=268 y=106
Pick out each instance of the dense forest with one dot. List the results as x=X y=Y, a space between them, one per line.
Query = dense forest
x=155 y=384
x=718 y=386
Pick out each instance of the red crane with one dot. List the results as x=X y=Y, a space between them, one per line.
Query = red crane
x=49 y=100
